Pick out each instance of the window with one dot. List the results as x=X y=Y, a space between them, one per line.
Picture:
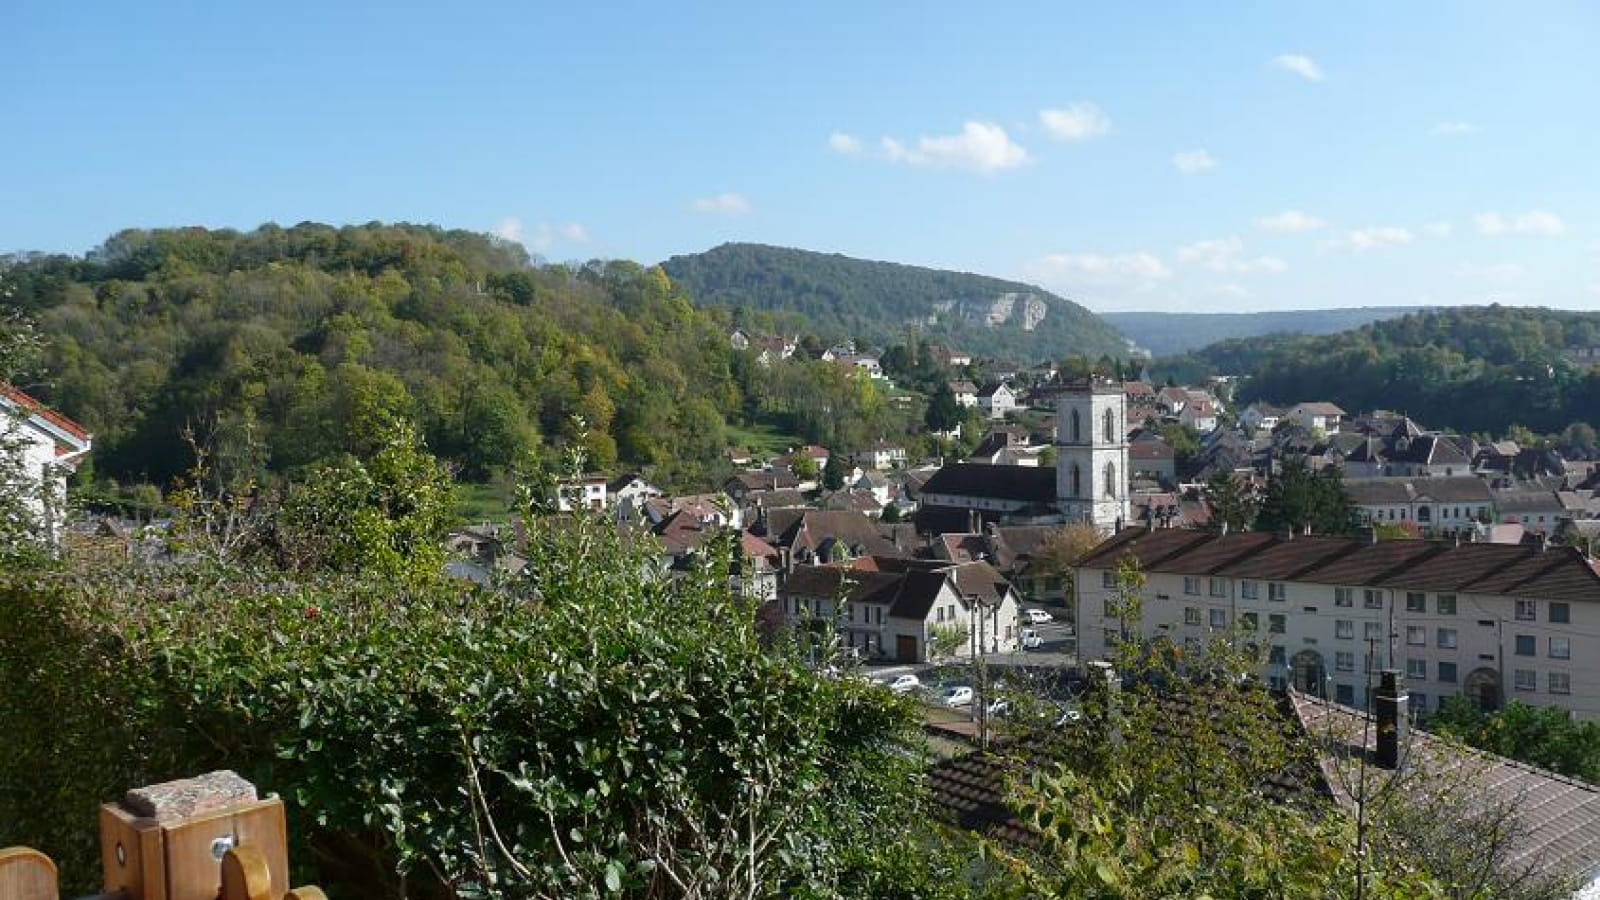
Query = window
x=1447 y=638
x=1344 y=693
x=1077 y=481
x=1417 y=668
x=1218 y=587
x=1560 y=613
x=1077 y=428
x=1525 y=680
x=1191 y=615
x=1276 y=591
x=1219 y=618
x=1191 y=584
x=1416 y=635
x=1343 y=597
x=1276 y=655
x=1374 y=599
x=1111 y=480
x=1248 y=621
x=1249 y=590
x=1527 y=645
x=1344 y=661
x=1527 y=610
x=1110 y=430
x=1447 y=672
x=1560 y=683
x=1111 y=608
x=1560 y=648
x=1372 y=631
x=1416 y=601
x=1447 y=604
x=1108 y=579
x=1344 y=628
x=1277 y=624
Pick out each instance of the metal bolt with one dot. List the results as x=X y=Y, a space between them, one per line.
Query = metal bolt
x=221 y=846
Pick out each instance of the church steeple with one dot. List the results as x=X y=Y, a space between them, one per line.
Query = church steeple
x=1092 y=453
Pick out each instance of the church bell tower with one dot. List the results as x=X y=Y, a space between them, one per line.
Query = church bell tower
x=1092 y=453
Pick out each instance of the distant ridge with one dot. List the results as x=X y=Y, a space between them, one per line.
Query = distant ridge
x=840 y=296
x=1165 y=334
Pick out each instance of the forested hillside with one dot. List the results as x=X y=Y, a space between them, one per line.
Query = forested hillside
x=293 y=344
x=845 y=298
x=1468 y=368
x=1164 y=333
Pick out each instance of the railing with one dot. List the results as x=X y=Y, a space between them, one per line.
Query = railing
x=194 y=839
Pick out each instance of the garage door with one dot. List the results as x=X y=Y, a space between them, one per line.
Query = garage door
x=905 y=646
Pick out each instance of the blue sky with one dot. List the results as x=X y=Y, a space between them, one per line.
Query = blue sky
x=1178 y=156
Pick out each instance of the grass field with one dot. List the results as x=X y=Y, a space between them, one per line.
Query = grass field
x=481 y=503
x=763 y=440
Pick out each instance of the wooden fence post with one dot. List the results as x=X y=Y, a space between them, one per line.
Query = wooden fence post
x=27 y=875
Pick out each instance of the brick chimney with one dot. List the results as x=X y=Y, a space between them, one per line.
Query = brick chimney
x=1393 y=718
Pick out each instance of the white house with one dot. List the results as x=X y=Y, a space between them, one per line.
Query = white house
x=893 y=614
x=47 y=446
x=882 y=455
x=1261 y=416
x=1487 y=621
x=1440 y=504
x=997 y=400
x=966 y=392
x=584 y=492
x=1317 y=416
x=1201 y=415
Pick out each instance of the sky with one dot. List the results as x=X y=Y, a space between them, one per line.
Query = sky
x=1174 y=156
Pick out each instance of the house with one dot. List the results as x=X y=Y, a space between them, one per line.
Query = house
x=881 y=456
x=945 y=356
x=770 y=349
x=966 y=393
x=1261 y=417
x=819 y=536
x=739 y=340
x=862 y=502
x=1536 y=510
x=997 y=399
x=757 y=569
x=1171 y=400
x=1009 y=494
x=743 y=483
x=1149 y=456
x=1139 y=393
x=583 y=492
x=47 y=446
x=880 y=487
x=1324 y=417
x=1485 y=621
x=818 y=455
x=893 y=608
x=859 y=362
x=1199 y=414
x=1444 y=504
x=631 y=488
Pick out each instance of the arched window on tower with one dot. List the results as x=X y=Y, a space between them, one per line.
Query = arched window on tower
x=1077 y=430
x=1077 y=481
x=1111 y=428
x=1111 y=477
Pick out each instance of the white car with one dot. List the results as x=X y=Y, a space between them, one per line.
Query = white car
x=1037 y=617
x=905 y=684
x=959 y=695
x=999 y=706
x=1031 y=639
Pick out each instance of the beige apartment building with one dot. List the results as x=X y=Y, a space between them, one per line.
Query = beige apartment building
x=1490 y=621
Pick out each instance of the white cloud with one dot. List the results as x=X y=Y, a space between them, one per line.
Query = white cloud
x=1227 y=255
x=1534 y=222
x=1193 y=162
x=848 y=144
x=980 y=147
x=1454 y=129
x=1374 y=237
x=1438 y=229
x=545 y=235
x=1076 y=122
x=1290 y=222
x=1304 y=66
x=729 y=203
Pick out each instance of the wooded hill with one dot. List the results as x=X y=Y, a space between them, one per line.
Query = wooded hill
x=1164 y=333
x=1473 y=369
x=842 y=297
x=292 y=344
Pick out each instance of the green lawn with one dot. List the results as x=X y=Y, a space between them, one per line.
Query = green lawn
x=475 y=503
x=763 y=439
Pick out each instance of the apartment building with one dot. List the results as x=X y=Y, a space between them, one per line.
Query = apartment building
x=1489 y=621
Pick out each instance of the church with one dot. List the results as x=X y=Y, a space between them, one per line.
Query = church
x=1089 y=484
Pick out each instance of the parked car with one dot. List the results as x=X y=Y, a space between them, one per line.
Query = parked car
x=905 y=684
x=999 y=706
x=957 y=695
x=1031 y=639
x=1037 y=617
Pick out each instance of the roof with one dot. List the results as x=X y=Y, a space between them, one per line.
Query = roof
x=989 y=390
x=809 y=528
x=910 y=593
x=1318 y=408
x=65 y=431
x=1559 y=817
x=1449 y=489
x=1028 y=484
x=1148 y=446
x=1556 y=573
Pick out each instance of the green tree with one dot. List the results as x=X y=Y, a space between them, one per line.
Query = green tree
x=1545 y=736
x=1298 y=499
x=1232 y=503
x=944 y=413
x=833 y=473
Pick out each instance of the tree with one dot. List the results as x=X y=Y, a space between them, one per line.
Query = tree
x=944 y=413
x=1545 y=736
x=1233 y=505
x=1058 y=553
x=1298 y=499
x=833 y=473
x=945 y=641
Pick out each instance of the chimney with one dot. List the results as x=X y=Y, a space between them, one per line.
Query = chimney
x=1544 y=541
x=1393 y=718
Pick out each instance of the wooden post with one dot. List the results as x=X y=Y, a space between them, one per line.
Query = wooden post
x=168 y=841
x=27 y=875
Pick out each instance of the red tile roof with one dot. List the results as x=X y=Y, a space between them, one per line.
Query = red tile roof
x=34 y=407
